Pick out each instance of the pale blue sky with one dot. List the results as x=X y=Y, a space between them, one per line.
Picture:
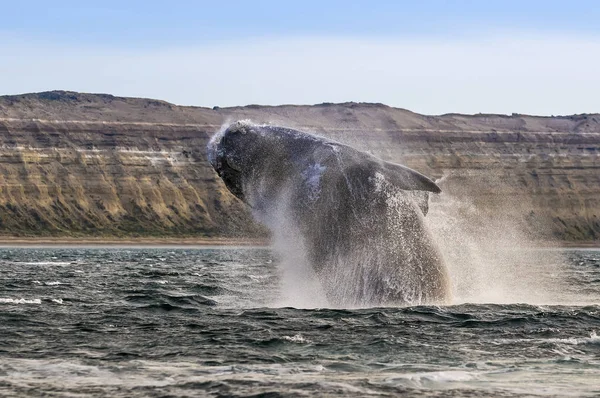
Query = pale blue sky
x=430 y=56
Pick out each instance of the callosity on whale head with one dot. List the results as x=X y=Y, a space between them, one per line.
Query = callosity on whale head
x=227 y=159
x=242 y=152
x=360 y=219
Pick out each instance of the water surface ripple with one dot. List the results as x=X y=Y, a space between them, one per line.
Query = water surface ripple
x=205 y=322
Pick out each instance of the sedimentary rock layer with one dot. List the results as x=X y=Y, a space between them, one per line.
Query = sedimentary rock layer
x=76 y=164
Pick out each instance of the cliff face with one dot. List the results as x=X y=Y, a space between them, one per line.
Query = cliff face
x=81 y=164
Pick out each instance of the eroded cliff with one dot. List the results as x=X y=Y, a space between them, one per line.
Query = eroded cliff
x=76 y=164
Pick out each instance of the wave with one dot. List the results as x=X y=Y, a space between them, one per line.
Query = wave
x=20 y=301
x=48 y=263
x=593 y=339
x=297 y=338
x=169 y=302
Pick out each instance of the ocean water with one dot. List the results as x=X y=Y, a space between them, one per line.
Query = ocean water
x=128 y=322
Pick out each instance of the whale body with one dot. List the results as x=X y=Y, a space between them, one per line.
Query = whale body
x=360 y=220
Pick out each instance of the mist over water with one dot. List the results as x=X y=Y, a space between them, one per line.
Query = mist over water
x=299 y=285
x=493 y=258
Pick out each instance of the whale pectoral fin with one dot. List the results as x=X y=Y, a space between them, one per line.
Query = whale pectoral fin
x=408 y=179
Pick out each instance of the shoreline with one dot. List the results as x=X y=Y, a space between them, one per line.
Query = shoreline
x=12 y=241
x=8 y=241
x=571 y=245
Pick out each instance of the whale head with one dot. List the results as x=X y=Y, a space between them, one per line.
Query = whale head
x=245 y=152
x=226 y=156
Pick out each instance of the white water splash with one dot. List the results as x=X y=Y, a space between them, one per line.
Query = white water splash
x=300 y=287
x=20 y=301
x=491 y=258
x=297 y=338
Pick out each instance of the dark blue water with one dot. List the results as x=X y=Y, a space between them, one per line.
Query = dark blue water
x=205 y=322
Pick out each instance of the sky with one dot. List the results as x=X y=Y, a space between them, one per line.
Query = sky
x=428 y=56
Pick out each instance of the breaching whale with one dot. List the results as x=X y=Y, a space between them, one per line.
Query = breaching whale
x=359 y=219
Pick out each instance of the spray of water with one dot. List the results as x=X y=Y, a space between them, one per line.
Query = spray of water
x=493 y=256
x=393 y=263
x=299 y=285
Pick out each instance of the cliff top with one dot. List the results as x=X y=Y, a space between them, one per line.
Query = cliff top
x=68 y=105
